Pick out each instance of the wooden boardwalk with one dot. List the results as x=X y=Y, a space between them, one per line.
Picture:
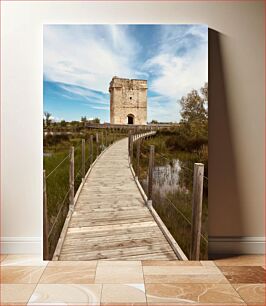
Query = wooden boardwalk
x=110 y=219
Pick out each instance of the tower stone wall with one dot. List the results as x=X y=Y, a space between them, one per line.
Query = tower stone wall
x=128 y=101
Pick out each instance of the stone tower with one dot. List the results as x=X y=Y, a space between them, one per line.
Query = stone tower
x=128 y=101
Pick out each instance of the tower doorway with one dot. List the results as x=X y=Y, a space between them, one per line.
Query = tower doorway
x=130 y=119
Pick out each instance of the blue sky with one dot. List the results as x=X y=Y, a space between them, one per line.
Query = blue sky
x=80 y=61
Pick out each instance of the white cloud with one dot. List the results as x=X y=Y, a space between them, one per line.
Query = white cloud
x=84 y=58
x=178 y=75
x=178 y=72
x=87 y=94
x=180 y=66
x=56 y=119
x=100 y=107
x=161 y=109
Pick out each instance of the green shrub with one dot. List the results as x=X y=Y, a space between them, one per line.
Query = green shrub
x=55 y=139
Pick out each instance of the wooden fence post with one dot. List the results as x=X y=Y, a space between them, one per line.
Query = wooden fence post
x=102 y=141
x=106 y=140
x=45 y=221
x=97 y=141
x=138 y=156
x=131 y=148
x=129 y=134
x=151 y=165
x=71 y=178
x=91 y=149
x=196 y=211
x=83 y=157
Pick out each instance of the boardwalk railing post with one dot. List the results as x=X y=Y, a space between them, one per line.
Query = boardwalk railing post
x=196 y=211
x=83 y=158
x=45 y=221
x=131 y=148
x=91 y=149
x=129 y=134
x=151 y=165
x=97 y=141
x=138 y=156
x=71 y=179
x=102 y=141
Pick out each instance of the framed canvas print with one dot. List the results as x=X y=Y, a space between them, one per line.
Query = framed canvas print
x=125 y=141
x=107 y=125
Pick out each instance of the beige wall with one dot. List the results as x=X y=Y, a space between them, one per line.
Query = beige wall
x=236 y=107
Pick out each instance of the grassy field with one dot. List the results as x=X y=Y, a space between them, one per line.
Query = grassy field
x=174 y=205
x=56 y=165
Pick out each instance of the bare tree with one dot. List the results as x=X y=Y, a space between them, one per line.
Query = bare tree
x=47 y=117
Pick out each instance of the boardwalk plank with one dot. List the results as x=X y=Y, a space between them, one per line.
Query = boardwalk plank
x=113 y=245
x=120 y=252
x=113 y=238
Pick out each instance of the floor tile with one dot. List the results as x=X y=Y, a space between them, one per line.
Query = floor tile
x=243 y=260
x=194 y=304
x=170 y=263
x=248 y=274
x=2 y=257
x=192 y=293
x=251 y=293
x=183 y=274
x=24 y=260
x=16 y=293
x=208 y=263
x=85 y=264
x=114 y=272
x=14 y=304
x=72 y=294
x=68 y=275
x=21 y=275
x=123 y=293
x=129 y=304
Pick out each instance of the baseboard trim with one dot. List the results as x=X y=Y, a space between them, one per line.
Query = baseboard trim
x=236 y=245
x=21 y=245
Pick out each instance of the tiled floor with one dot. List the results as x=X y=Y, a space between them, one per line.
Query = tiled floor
x=27 y=280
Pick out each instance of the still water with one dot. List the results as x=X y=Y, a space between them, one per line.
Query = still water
x=47 y=154
x=168 y=178
x=172 y=199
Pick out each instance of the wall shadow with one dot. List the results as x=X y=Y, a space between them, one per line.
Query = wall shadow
x=225 y=217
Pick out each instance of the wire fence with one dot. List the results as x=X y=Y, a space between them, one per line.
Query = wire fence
x=58 y=180
x=172 y=193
